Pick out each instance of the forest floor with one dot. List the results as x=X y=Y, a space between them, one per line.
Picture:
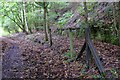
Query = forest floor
x=22 y=57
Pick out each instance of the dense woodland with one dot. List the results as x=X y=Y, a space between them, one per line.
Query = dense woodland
x=43 y=39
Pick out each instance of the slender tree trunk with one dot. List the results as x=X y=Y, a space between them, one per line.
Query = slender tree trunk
x=34 y=22
x=50 y=37
x=71 y=43
x=25 y=16
x=23 y=19
x=116 y=14
x=45 y=21
x=118 y=4
x=49 y=31
x=115 y=20
x=86 y=14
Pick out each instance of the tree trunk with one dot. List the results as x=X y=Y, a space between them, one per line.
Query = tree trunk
x=116 y=14
x=45 y=21
x=23 y=20
x=71 y=43
x=25 y=16
x=86 y=14
x=118 y=4
x=50 y=37
x=115 y=20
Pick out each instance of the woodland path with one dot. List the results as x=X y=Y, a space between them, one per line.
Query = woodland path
x=25 y=58
x=12 y=64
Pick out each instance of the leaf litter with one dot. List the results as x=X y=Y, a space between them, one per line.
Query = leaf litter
x=41 y=61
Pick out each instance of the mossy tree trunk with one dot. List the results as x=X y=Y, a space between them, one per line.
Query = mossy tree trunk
x=71 y=43
x=86 y=14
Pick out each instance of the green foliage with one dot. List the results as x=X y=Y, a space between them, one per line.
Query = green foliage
x=68 y=55
x=114 y=40
x=11 y=15
x=62 y=20
x=9 y=12
x=114 y=73
x=96 y=76
x=103 y=75
x=41 y=4
x=62 y=5
x=52 y=16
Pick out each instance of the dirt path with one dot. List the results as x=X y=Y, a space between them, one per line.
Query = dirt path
x=12 y=66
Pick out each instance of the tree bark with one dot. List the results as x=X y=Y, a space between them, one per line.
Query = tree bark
x=50 y=37
x=118 y=4
x=25 y=16
x=45 y=21
x=116 y=15
x=115 y=20
x=86 y=14
x=71 y=43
